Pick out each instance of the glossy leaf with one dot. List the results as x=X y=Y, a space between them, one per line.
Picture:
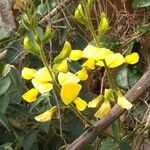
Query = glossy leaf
x=4 y=84
x=141 y=3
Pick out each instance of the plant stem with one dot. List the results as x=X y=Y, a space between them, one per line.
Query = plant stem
x=89 y=23
x=83 y=118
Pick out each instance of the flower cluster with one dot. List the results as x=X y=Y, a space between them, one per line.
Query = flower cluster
x=97 y=56
x=42 y=79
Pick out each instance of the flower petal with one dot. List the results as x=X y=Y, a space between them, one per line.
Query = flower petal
x=61 y=67
x=28 y=73
x=82 y=74
x=68 y=77
x=113 y=60
x=42 y=87
x=47 y=115
x=95 y=102
x=80 y=103
x=124 y=103
x=133 y=58
x=69 y=92
x=89 y=64
x=95 y=52
x=43 y=75
x=76 y=55
x=103 y=110
x=30 y=96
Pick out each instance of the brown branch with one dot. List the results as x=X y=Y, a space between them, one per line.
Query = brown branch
x=91 y=134
x=53 y=12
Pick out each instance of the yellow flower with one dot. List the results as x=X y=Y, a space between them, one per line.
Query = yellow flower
x=89 y=64
x=82 y=74
x=132 y=58
x=103 y=110
x=80 y=103
x=123 y=102
x=96 y=53
x=112 y=60
x=28 y=73
x=95 y=102
x=68 y=77
x=69 y=92
x=47 y=115
x=43 y=75
x=30 y=96
x=42 y=87
x=75 y=55
x=61 y=67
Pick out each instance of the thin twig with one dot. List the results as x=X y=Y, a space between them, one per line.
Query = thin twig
x=53 y=12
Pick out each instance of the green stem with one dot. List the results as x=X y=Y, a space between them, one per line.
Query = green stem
x=83 y=118
x=111 y=82
x=89 y=23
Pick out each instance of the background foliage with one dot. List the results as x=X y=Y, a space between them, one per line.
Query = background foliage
x=18 y=129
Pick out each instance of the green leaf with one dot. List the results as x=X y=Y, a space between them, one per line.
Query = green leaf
x=4 y=84
x=6 y=146
x=141 y=3
x=122 y=78
x=107 y=144
x=13 y=52
x=29 y=140
x=6 y=70
x=4 y=101
x=124 y=146
x=127 y=76
x=112 y=43
x=42 y=9
x=4 y=121
x=89 y=147
x=116 y=129
x=135 y=73
x=40 y=99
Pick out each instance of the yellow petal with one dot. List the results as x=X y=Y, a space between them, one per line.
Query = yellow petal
x=95 y=102
x=133 y=58
x=103 y=110
x=61 y=67
x=75 y=55
x=124 y=103
x=82 y=74
x=95 y=52
x=42 y=87
x=28 y=73
x=68 y=77
x=80 y=103
x=69 y=92
x=30 y=96
x=89 y=64
x=43 y=75
x=47 y=115
x=100 y=63
x=113 y=60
